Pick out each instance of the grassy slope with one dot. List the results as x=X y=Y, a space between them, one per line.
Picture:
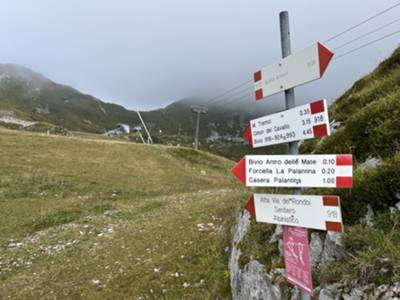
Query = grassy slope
x=370 y=116
x=100 y=219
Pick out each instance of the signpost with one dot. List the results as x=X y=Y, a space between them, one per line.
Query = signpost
x=297 y=258
x=293 y=70
x=296 y=170
x=315 y=212
x=300 y=123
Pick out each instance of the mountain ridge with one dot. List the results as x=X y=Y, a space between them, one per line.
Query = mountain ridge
x=33 y=97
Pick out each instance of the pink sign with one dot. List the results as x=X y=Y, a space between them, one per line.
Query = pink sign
x=297 y=258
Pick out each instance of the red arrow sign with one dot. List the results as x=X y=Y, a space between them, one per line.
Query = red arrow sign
x=325 y=56
x=295 y=170
x=302 y=122
x=315 y=212
x=247 y=135
x=240 y=170
x=296 y=69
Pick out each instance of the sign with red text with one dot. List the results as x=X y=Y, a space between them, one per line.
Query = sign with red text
x=299 y=123
x=297 y=258
x=330 y=171
x=314 y=212
x=296 y=69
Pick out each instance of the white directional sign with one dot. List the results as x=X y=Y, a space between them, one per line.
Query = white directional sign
x=299 y=123
x=296 y=170
x=296 y=69
x=315 y=212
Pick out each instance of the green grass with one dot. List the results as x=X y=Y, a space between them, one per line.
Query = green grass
x=380 y=83
x=97 y=219
x=52 y=219
x=373 y=254
x=237 y=151
x=370 y=115
x=373 y=130
x=369 y=112
x=255 y=246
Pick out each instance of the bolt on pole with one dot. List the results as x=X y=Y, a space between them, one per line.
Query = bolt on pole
x=198 y=110
x=289 y=93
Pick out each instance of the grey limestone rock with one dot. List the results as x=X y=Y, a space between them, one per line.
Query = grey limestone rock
x=252 y=282
x=239 y=231
x=316 y=247
x=277 y=234
x=330 y=292
x=257 y=284
x=333 y=249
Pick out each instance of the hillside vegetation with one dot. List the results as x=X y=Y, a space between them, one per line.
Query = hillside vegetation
x=369 y=113
x=95 y=219
x=369 y=116
x=30 y=96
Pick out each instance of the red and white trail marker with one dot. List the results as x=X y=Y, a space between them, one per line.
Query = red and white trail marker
x=314 y=212
x=297 y=258
x=296 y=69
x=300 y=123
x=333 y=171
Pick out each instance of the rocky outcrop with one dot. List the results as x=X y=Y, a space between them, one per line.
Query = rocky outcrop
x=339 y=291
x=316 y=247
x=256 y=284
x=251 y=282
x=333 y=249
x=239 y=231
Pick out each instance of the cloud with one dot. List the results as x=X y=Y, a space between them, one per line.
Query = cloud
x=146 y=54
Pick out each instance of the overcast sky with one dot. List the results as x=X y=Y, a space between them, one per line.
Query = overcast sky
x=147 y=54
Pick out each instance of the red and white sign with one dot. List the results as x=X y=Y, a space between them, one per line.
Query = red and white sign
x=296 y=170
x=299 y=123
x=297 y=258
x=296 y=69
x=314 y=212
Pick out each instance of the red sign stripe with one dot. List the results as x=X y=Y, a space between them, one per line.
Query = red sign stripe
x=257 y=76
x=344 y=160
x=247 y=135
x=320 y=130
x=325 y=56
x=240 y=170
x=317 y=107
x=259 y=94
x=344 y=182
x=251 y=208
x=334 y=226
x=330 y=200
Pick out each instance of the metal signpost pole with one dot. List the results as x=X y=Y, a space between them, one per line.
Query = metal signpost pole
x=289 y=94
